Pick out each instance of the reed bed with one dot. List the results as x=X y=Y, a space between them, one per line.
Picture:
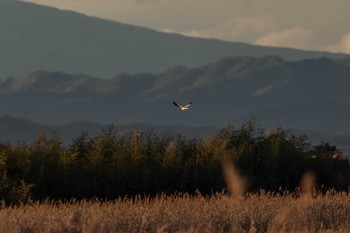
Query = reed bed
x=261 y=212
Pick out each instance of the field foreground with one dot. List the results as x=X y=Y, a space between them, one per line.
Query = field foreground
x=263 y=212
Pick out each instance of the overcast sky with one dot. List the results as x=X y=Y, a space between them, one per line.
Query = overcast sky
x=304 y=24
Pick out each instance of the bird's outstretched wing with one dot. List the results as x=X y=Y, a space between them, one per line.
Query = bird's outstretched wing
x=188 y=105
x=176 y=104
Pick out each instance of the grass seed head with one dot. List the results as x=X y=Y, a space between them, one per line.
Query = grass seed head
x=234 y=181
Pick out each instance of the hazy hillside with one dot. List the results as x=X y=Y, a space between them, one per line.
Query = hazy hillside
x=14 y=129
x=345 y=61
x=35 y=37
x=18 y=129
x=309 y=94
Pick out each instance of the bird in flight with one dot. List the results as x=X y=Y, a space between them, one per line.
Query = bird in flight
x=183 y=107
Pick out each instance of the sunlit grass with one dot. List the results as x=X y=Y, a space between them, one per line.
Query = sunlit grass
x=263 y=212
x=304 y=210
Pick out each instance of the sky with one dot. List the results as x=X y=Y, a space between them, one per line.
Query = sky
x=304 y=24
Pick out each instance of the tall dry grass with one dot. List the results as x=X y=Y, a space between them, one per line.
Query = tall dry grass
x=263 y=212
x=302 y=211
x=235 y=183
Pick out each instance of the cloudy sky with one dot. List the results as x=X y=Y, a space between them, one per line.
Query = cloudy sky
x=304 y=24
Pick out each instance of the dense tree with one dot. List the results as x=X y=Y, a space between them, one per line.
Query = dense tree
x=118 y=163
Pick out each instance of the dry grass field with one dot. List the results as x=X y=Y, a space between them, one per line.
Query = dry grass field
x=262 y=212
x=302 y=211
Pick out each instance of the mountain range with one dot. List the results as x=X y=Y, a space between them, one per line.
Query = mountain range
x=308 y=94
x=35 y=37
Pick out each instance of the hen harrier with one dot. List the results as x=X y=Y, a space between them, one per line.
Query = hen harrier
x=183 y=107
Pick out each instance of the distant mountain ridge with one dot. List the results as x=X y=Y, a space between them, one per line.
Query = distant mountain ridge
x=35 y=37
x=310 y=94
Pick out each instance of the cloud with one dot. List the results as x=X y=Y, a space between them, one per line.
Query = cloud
x=241 y=28
x=233 y=29
x=342 y=46
x=295 y=37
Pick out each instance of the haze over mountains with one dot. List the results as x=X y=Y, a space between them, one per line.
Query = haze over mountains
x=35 y=37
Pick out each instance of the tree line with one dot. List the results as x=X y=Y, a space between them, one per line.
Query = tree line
x=116 y=163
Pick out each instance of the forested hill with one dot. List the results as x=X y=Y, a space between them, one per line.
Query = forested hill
x=35 y=37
